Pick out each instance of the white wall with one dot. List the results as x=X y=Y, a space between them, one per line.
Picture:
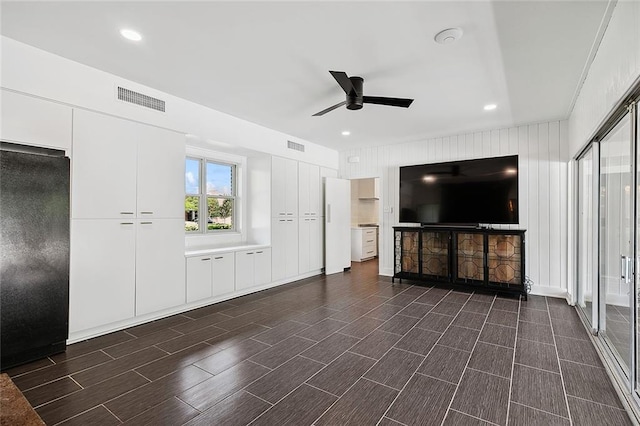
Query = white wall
x=615 y=67
x=542 y=188
x=36 y=72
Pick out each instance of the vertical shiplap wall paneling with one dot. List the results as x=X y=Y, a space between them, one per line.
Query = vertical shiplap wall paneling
x=541 y=147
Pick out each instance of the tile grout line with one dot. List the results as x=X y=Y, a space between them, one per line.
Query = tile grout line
x=105 y=407
x=540 y=410
x=513 y=363
x=474 y=417
x=564 y=387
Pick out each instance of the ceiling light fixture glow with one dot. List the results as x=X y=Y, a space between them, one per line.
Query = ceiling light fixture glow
x=428 y=178
x=490 y=107
x=346 y=133
x=511 y=171
x=130 y=34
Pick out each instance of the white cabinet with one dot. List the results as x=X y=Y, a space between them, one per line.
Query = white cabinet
x=223 y=275
x=160 y=282
x=369 y=189
x=125 y=169
x=253 y=268
x=102 y=272
x=364 y=243
x=310 y=244
x=199 y=272
x=210 y=275
x=309 y=188
x=34 y=121
x=284 y=244
x=284 y=187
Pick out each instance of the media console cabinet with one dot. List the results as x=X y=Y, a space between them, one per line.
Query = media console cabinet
x=491 y=259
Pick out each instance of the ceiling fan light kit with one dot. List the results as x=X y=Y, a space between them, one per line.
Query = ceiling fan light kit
x=355 y=98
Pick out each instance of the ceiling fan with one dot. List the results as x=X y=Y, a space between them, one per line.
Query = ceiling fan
x=352 y=86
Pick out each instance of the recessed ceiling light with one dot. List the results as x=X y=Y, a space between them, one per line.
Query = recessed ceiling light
x=130 y=34
x=490 y=107
x=346 y=133
x=448 y=36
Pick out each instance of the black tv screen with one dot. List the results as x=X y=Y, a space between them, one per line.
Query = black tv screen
x=471 y=192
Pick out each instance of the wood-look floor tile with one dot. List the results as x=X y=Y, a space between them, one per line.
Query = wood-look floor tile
x=446 y=308
x=316 y=315
x=242 y=309
x=301 y=407
x=372 y=302
x=282 y=352
x=538 y=389
x=364 y=404
x=96 y=416
x=445 y=363
x=535 y=302
x=197 y=324
x=433 y=296
x=50 y=391
x=85 y=399
x=158 y=325
x=386 y=421
x=482 y=395
x=571 y=329
x=384 y=312
x=338 y=376
x=29 y=367
x=226 y=358
x=563 y=313
x=401 y=300
x=241 y=321
x=170 y=412
x=361 y=327
x=456 y=418
x=213 y=390
x=54 y=372
x=236 y=336
x=483 y=297
x=141 y=399
x=322 y=329
x=140 y=343
x=498 y=335
x=279 y=382
x=170 y=363
x=330 y=348
x=586 y=413
x=184 y=341
x=470 y=320
x=350 y=314
x=587 y=382
x=506 y=304
x=419 y=341
x=399 y=324
x=492 y=359
x=208 y=310
x=477 y=307
x=534 y=315
x=435 y=322
x=536 y=332
x=395 y=368
x=457 y=297
x=576 y=350
x=416 y=290
x=237 y=410
x=424 y=400
x=496 y=316
x=280 y=332
x=416 y=310
x=459 y=338
x=538 y=355
x=523 y=415
x=87 y=346
x=110 y=369
x=376 y=344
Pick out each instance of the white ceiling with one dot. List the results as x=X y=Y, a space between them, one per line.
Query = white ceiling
x=268 y=62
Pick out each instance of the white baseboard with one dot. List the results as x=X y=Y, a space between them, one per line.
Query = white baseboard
x=539 y=290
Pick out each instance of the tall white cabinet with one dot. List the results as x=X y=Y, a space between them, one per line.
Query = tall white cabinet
x=127 y=229
x=284 y=218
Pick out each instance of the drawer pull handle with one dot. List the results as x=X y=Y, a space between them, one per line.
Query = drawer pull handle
x=259 y=252
x=249 y=253
x=219 y=257
x=146 y=223
x=126 y=212
x=205 y=259
x=369 y=252
x=146 y=212
x=369 y=241
x=126 y=223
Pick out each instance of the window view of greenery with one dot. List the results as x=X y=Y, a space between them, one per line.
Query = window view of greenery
x=218 y=182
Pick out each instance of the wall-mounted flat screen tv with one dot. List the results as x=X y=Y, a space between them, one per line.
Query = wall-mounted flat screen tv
x=470 y=192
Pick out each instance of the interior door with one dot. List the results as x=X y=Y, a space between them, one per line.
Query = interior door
x=337 y=225
x=616 y=242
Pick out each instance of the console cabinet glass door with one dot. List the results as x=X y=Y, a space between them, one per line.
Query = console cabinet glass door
x=435 y=254
x=470 y=259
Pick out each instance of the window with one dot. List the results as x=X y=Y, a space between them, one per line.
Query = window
x=211 y=184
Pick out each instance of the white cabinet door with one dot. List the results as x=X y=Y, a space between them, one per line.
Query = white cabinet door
x=315 y=243
x=224 y=277
x=337 y=225
x=198 y=278
x=262 y=266
x=160 y=278
x=102 y=273
x=291 y=244
x=303 y=190
x=291 y=169
x=35 y=121
x=160 y=174
x=315 y=188
x=278 y=187
x=304 y=244
x=245 y=269
x=103 y=166
x=279 y=248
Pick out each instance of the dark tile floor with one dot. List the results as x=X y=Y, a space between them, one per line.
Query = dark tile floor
x=348 y=349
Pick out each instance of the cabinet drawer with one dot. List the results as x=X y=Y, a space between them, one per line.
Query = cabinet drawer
x=369 y=252
x=368 y=239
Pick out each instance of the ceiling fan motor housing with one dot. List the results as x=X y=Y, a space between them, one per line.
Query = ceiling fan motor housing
x=354 y=98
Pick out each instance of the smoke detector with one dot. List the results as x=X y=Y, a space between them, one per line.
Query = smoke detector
x=448 y=36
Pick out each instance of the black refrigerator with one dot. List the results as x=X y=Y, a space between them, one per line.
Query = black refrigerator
x=34 y=256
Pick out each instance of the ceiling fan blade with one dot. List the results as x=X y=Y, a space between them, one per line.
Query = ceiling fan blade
x=331 y=108
x=398 y=102
x=343 y=80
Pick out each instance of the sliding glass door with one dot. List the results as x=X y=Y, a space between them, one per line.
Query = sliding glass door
x=587 y=284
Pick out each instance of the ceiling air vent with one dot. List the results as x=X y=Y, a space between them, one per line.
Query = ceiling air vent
x=127 y=95
x=295 y=146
